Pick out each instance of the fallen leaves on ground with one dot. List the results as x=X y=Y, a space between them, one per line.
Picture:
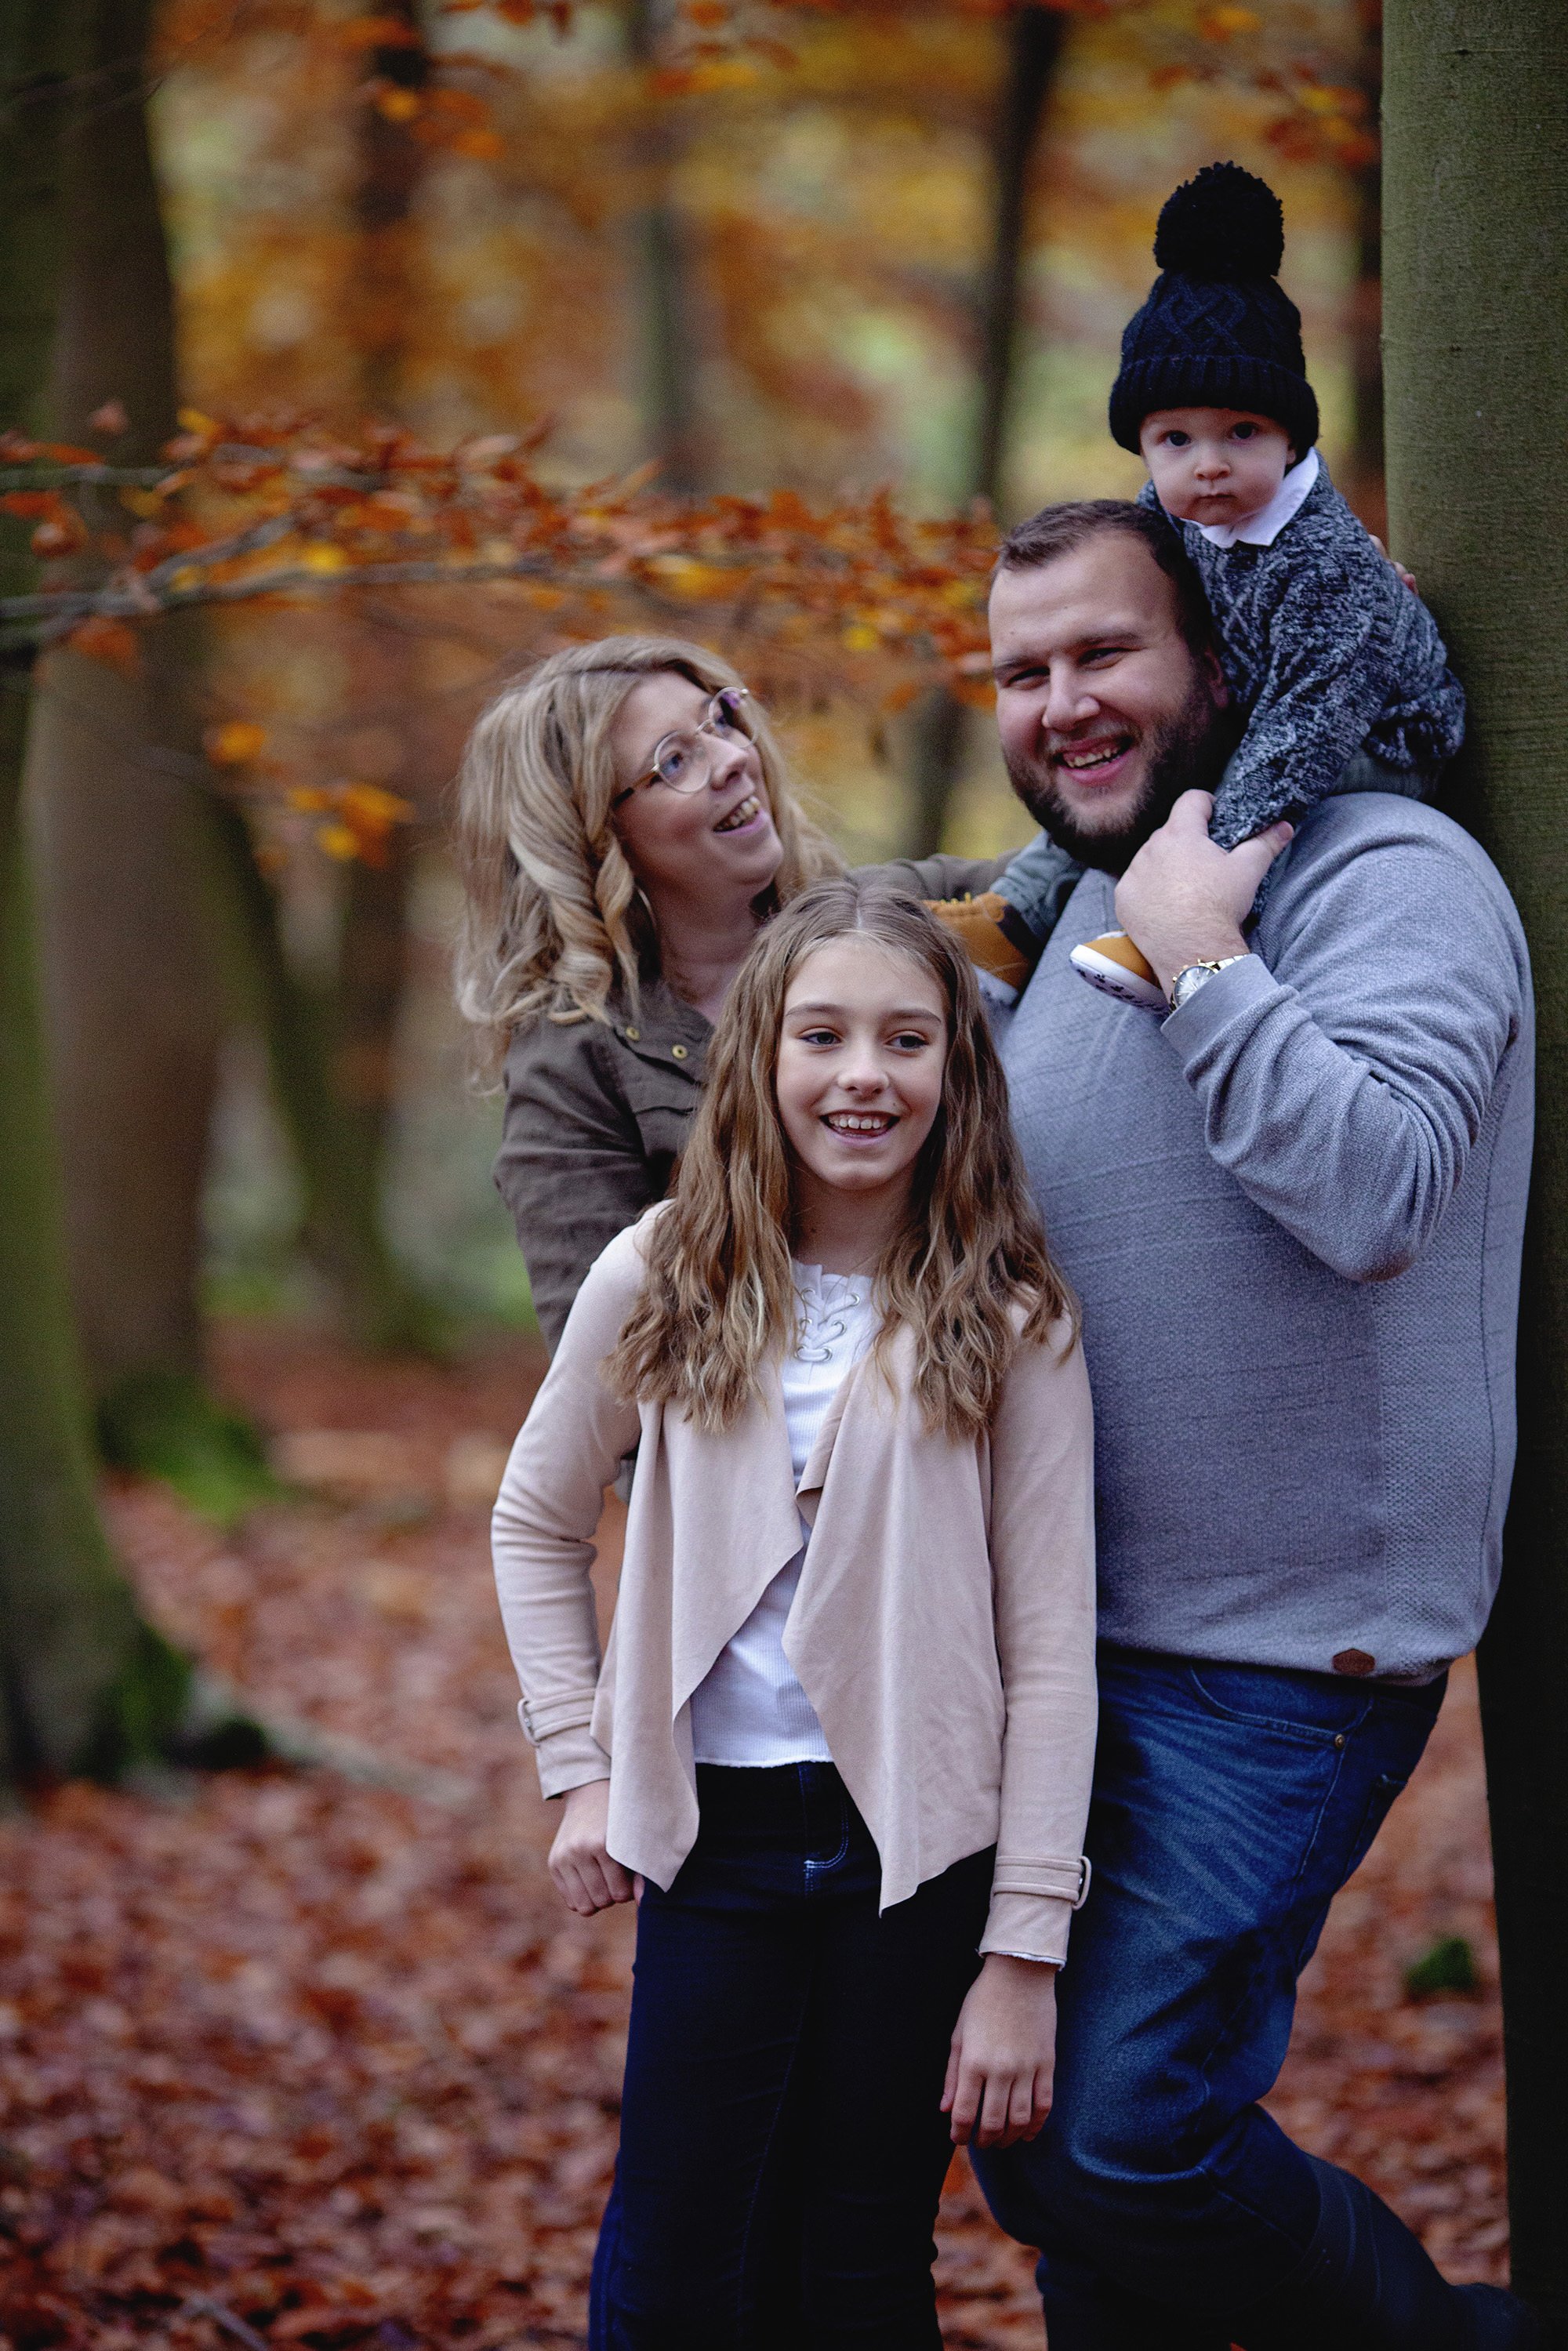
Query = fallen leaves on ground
x=310 y=2058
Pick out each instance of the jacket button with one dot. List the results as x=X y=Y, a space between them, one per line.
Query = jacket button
x=633 y=1036
x=679 y=1052
x=1354 y=1662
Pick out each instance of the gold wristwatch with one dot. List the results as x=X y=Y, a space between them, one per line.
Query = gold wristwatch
x=1192 y=976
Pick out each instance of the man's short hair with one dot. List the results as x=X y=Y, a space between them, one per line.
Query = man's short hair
x=1062 y=530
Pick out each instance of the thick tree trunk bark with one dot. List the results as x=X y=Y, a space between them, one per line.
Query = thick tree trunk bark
x=1476 y=301
x=135 y=1012
x=1034 y=40
x=132 y=959
x=130 y=968
x=84 y=1682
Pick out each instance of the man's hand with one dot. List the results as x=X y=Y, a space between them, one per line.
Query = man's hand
x=585 y=1878
x=1003 y=2058
x=1182 y=900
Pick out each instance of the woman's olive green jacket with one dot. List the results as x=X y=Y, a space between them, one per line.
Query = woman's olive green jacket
x=597 y=1110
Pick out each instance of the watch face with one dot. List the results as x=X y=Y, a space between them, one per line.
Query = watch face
x=1188 y=982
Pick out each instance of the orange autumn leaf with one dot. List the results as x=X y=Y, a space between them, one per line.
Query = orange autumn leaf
x=28 y=503
x=236 y=743
x=369 y=806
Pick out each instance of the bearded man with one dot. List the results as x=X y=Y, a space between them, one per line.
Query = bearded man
x=1293 y=1211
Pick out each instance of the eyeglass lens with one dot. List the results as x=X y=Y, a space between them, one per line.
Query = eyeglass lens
x=684 y=762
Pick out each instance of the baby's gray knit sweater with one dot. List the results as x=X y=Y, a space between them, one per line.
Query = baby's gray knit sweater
x=1329 y=653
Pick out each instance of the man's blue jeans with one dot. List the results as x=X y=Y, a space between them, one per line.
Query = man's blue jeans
x=1231 y=1802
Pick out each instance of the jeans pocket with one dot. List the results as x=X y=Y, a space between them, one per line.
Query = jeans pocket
x=1297 y=1706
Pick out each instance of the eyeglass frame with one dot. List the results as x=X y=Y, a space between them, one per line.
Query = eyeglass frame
x=738 y=695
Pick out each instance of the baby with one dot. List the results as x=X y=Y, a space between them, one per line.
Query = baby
x=1336 y=663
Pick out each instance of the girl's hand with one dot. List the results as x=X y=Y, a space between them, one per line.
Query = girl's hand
x=585 y=1878
x=1003 y=2058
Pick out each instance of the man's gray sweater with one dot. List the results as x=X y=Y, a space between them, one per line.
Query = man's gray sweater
x=1292 y=1212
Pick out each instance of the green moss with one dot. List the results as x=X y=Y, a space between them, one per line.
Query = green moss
x=1449 y=1967
x=165 y=1424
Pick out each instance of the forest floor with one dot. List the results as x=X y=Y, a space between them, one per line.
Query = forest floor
x=316 y=2057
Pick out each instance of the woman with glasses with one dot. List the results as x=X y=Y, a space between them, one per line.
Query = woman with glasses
x=625 y=825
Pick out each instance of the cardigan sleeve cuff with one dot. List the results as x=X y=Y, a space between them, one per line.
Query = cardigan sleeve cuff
x=1027 y=1927
x=568 y=1759
x=1033 y=1903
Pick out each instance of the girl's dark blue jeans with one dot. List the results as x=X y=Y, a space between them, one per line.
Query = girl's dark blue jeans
x=782 y=2145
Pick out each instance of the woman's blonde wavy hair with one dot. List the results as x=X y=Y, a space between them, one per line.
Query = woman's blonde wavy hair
x=553 y=915
x=719 y=1298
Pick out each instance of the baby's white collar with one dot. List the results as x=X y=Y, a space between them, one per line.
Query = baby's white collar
x=1263 y=528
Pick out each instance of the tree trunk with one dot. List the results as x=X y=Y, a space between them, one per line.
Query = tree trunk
x=129 y=970
x=302 y=1025
x=134 y=1010
x=84 y=1681
x=668 y=341
x=331 y=1044
x=1476 y=247
x=373 y=960
x=1034 y=40
x=117 y=789
x=391 y=162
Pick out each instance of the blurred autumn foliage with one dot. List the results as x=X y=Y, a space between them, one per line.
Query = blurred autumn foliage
x=816 y=175
x=395 y=348
x=391 y=349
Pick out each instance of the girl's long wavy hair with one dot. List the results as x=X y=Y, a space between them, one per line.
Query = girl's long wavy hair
x=553 y=916
x=719 y=1298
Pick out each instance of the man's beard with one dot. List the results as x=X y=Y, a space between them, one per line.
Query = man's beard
x=1187 y=753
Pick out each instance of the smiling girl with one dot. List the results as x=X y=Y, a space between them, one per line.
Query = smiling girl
x=841 y=1742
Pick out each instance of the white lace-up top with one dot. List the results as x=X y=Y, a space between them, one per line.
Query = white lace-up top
x=751 y=1709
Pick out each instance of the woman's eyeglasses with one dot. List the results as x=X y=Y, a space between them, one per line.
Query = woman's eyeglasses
x=683 y=762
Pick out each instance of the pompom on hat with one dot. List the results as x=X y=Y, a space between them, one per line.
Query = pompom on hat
x=1217 y=330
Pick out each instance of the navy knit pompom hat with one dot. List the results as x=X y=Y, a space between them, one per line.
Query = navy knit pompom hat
x=1218 y=329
